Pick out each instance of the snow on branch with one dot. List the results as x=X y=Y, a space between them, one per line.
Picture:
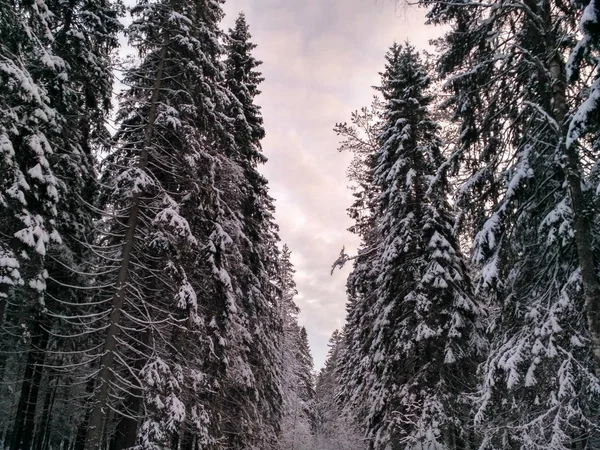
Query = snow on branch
x=344 y=258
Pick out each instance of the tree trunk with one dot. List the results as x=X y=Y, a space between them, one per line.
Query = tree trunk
x=126 y=432
x=99 y=411
x=25 y=417
x=188 y=441
x=127 y=428
x=3 y=358
x=175 y=441
x=43 y=433
x=3 y=355
x=585 y=253
x=79 y=443
x=38 y=372
x=581 y=211
x=3 y=302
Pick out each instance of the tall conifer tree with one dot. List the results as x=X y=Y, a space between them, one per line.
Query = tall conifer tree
x=333 y=427
x=255 y=335
x=297 y=364
x=421 y=341
x=527 y=199
x=49 y=175
x=29 y=192
x=163 y=230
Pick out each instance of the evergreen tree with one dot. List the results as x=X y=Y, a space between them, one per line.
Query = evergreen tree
x=255 y=401
x=526 y=196
x=47 y=174
x=581 y=123
x=421 y=340
x=29 y=190
x=306 y=377
x=326 y=385
x=333 y=429
x=85 y=37
x=145 y=315
x=243 y=79
x=297 y=380
x=325 y=389
x=162 y=232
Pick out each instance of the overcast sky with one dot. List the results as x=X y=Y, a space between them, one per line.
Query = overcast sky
x=320 y=58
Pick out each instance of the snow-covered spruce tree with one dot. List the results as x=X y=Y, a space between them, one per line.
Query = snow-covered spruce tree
x=332 y=429
x=47 y=170
x=582 y=123
x=85 y=37
x=423 y=340
x=306 y=376
x=161 y=234
x=297 y=364
x=527 y=193
x=28 y=196
x=252 y=402
x=325 y=388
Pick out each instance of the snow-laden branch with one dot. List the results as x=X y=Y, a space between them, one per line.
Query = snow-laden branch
x=344 y=258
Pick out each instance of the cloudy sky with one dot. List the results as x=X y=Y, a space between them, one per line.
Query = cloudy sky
x=320 y=58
